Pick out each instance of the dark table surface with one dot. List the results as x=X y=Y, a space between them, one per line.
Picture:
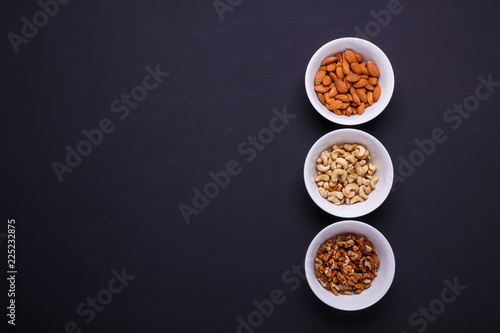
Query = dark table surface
x=158 y=97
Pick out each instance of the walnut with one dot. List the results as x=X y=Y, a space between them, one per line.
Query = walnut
x=346 y=264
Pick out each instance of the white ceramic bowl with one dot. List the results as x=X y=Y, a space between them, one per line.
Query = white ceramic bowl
x=380 y=284
x=369 y=51
x=379 y=156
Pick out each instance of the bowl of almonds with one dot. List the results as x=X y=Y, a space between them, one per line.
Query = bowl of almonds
x=348 y=173
x=350 y=265
x=349 y=81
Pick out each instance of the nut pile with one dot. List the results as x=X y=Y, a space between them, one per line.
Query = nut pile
x=347 y=265
x=345 y=175
x=346 y=85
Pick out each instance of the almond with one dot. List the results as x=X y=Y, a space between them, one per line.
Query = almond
x=321 y=88
x=347 y=83
x=355 y=96
x=376 y=93
x=340 y=73
x=318 y=78
x=336 y=104
x=364 y=70
x=362 y=95
x=341 y=86
x=353 y=77
x=361 y=108
x=372 y=69
x=328 y=61
x=369 y=87
x=321 y=98
x=333 y=92
x=355 y=68
x=360 y=84
x=373 y=81
x=346 y=67
x=349 y=56
x=327 y=80
x=342 y=97
x=369 y=96
x=328 y=99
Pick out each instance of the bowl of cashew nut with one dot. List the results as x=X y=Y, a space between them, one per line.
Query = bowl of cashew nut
x=348 y=173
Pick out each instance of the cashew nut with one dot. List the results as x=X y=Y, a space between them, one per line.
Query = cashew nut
x=371 y=169
x=342 y=162
x=357 y=198
x=349 y=147
x=324 y=178
x=337 y=198
x=352 y=177
x=327 y=186
x=366 y=156
x=351 y=190
x=339 y=173
x=345 y=175
x=362 y=193
x=324 y=157
x=351 y=158
x=336 y=153
x=360 y=151
x=361 y=170
x=338 y=194
x=323 y=168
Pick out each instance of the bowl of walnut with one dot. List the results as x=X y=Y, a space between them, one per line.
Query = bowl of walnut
x=348 y=173
x=349 y=81
x=350 y=265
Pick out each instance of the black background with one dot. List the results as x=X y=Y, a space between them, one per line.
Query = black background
x=119 y=207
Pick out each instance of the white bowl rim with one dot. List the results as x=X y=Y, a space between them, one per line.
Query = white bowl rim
x=328 y=231
x=376 y=108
